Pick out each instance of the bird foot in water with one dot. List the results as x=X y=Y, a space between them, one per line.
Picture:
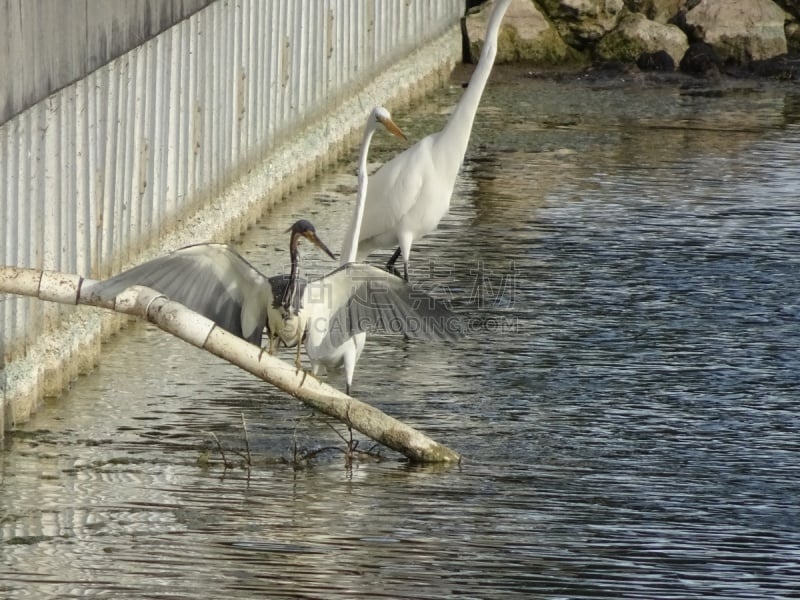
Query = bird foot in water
x=299 y=368
x=305 y=374
x=298 y=362
x=393 y=270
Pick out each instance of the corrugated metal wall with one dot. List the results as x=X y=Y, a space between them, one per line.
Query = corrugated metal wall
x=93 y=172
x=49 y=44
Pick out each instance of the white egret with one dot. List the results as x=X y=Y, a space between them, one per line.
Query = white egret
x=411 y=193
x=348 y=353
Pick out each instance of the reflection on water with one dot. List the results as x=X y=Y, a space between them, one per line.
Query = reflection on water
x=627 y=256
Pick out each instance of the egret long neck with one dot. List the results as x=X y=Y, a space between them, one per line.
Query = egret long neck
x=455 y=134
x=351 y=244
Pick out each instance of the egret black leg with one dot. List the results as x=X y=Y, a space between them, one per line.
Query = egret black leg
x=390 y=264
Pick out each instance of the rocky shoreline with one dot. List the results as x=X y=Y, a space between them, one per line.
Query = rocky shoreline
x=705 y=38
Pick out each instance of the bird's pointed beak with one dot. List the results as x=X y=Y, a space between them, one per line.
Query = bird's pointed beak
x=314 y=239
x=392 y=128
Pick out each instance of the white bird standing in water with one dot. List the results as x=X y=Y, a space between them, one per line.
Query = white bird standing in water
x=411 y=193
x=348 y=353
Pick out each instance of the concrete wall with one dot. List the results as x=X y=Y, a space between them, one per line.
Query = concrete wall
x=190 y=137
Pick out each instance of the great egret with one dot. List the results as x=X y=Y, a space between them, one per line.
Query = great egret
x=411 y=193
x=348 y=353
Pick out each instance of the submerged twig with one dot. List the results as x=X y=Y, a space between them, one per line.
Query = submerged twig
x=246 y=442
x=220 y=449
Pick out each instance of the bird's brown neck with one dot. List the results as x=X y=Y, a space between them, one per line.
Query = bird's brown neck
x=291 y=287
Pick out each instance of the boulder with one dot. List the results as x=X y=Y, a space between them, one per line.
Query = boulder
x=792 y=26
x=701 y=59
x=793 y=36
x=739 y=30
x=526 y=35
x=790 y=6
x=660 y=11
x=655 y=61
x=636 y=35
x=783 y=67
x=581 y=23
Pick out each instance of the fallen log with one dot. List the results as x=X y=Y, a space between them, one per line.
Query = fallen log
x=195 y=329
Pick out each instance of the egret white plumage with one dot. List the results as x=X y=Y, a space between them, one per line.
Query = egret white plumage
x=411 y=193
x=348 y=353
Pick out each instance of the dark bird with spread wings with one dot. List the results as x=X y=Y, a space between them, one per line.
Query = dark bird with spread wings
x=217 y=282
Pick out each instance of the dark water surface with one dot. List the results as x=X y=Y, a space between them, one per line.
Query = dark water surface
x=628 y=256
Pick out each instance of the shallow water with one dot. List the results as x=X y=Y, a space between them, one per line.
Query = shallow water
x=626 y=399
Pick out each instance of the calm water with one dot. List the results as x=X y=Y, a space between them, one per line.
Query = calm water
x=627 y=398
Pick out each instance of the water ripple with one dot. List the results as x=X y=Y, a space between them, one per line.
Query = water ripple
x=625 y=397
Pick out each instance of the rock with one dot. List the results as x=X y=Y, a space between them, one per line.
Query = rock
x=656 y=61
x=526 y=35
x=637 y=35
x=701 y=59
x=790 y=6
x=734 y=35
x=780 y=67
x=739 y=30
x=792 y=25
x=660 y=11
x=581 y=23
x=793 y=36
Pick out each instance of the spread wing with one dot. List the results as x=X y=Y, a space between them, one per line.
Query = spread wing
x=210 y=279
x=360 y=297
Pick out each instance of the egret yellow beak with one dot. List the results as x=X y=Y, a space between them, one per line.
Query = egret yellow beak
x=392 y=127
